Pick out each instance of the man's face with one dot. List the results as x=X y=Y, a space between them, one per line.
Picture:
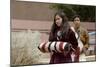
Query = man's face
x=77 y=22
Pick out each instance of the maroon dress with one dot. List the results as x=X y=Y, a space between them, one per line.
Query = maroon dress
x=64 y=57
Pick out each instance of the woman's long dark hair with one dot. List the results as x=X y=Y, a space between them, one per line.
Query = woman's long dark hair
x=64 y=26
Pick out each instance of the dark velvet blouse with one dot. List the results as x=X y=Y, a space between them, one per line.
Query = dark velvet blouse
x=63 y=57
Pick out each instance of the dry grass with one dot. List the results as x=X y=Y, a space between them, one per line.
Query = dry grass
x=24 y=48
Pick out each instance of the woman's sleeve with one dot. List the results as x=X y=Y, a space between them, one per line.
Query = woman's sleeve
x=73 y=40
x=51 y=38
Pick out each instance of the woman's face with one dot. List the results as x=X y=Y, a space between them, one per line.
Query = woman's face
x=77 y=22
x=58 y=20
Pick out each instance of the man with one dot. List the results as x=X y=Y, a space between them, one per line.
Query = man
x=82 y=37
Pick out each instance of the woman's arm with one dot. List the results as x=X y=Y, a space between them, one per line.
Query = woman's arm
x=73 y=40
x=74 y=43
x=51 y=37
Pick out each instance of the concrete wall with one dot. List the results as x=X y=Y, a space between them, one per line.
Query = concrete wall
x=31 y=10
x=44 y=26
x=35 y=16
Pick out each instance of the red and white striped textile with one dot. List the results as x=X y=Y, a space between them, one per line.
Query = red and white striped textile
x=54 y=46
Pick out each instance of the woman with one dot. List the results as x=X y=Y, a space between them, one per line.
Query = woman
x=61 y=31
